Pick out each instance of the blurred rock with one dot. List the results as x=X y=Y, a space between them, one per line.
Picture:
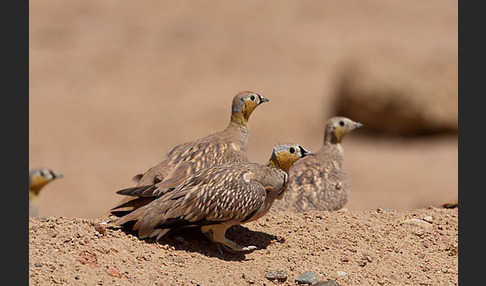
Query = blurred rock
x=417 y=96
x=307 y=278
x=277 y=275
x=342 y=273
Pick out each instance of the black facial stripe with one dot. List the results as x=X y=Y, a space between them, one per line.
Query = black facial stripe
x=302 y=150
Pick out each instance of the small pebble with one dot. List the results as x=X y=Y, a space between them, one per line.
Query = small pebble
x=341 y=273
x=52 y=233
x=428 y=219
x=278 y=275
x=38 y=265
x=307 y=278
x=77 y=277
x=417 y=222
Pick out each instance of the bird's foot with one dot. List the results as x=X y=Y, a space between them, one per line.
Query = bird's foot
x=236 y=249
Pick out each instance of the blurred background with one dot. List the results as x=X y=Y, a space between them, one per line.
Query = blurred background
x=115 y=84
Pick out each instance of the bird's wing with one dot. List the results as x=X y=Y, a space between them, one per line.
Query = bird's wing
x=212 y=196
x=316 y=183
x=187 y=158
x=305 y=171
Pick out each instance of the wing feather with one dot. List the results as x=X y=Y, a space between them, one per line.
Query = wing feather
x=212 y=196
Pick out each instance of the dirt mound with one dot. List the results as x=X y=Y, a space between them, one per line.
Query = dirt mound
x=399 y=97
x=385 y=247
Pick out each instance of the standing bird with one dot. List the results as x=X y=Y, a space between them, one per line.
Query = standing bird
x=319 y=181
x=214 y=198
x=226 y=146
x=38 y=178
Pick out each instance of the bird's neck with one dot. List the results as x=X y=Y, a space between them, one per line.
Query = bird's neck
x=327 y=151
x=32 y=195
x=35 y=188
x=331 y=138
x=239 y=129
x=239 y=119
x=274 y=163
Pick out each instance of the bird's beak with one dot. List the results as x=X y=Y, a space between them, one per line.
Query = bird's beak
x=58 y=176
x=304 y=152
x=358 y=125
x=263 y=99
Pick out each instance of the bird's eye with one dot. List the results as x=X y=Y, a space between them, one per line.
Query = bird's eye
x=341 y=123
x=252 y=98
x=292 y=150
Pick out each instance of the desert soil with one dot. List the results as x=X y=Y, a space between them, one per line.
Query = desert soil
x=374 y=247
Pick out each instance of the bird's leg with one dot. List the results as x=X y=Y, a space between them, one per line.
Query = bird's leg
x=216 y=233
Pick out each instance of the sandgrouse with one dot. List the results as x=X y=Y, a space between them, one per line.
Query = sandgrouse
x=38 y=178
x=226 y=146
x=214 y=198
x=319 y=182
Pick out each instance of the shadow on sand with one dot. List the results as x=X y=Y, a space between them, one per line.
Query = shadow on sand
x=192 y=240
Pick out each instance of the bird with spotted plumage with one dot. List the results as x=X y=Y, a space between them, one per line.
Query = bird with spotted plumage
x=38 y=179
x=214 y=198
x=319 y=181
x=226 y=146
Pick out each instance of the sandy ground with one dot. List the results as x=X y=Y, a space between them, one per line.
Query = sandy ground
x=114 y=85
x=375 y=247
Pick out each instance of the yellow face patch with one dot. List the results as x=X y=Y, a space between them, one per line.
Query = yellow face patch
x=248 y=107
x=37 y=182
x=339 y=132
x=286 y=159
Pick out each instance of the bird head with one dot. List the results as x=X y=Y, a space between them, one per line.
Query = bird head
x=244 y=103
x=38 y=178
x=283 y=156
x=338 y=127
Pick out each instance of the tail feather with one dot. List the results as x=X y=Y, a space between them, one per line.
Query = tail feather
x=130 y=205
x=143 y=191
